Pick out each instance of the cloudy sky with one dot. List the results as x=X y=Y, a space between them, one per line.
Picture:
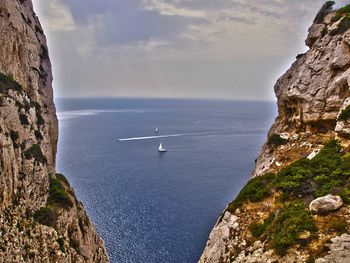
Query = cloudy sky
x=232 y=49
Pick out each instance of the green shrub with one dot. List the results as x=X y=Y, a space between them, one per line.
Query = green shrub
x=255 y=190
x=62 y=178
x=293 y=176
x=320 y=176
x=44 y=54
x=58 y=196
x=345 y=114
x=14 y=137
x=345 y=195
x=341 y=12
x=38 y=135
x=38 y=29
x=323 y=12
x=291 y=221
x=7 y=82
x=46 y=216
x=60 y=242
x=276 y=140
x=39 y=119
x=311 y=259
x=24 y=119
x=35 y=152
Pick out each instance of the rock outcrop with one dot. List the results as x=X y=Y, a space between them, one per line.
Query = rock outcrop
x=40 y=217
x=305 y=157
x=325 y=204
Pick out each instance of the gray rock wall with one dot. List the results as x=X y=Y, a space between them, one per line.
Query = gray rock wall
x=28 y=142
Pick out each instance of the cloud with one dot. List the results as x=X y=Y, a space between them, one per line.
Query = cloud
x=167 y=9
x=221 y=48
x=55 y=15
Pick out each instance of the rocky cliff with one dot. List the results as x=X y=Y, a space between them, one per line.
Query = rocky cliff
x=40 y=217
x=296 y=208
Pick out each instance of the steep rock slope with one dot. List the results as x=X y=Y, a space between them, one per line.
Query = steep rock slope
x=40 y=217
x=305 y=157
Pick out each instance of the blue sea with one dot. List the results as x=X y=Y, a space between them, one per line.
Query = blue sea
x=147 y=206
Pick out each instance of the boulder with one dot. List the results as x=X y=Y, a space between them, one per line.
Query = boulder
x=326 y=204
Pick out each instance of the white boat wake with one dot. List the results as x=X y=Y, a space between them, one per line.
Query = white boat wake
x=234 y=133
x=165 y=136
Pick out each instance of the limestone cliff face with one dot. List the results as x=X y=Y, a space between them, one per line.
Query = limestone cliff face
x=311 y=95
x=40 y=217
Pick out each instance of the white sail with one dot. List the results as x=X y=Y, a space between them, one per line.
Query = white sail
x=161 y=149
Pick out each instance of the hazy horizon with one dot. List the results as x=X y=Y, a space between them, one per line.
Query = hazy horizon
x=166 y=98
x=227 y=49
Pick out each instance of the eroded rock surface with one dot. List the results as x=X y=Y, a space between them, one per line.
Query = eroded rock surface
x=28 y=141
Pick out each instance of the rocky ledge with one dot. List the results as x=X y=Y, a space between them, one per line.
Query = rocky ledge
x=296 y=207
x=40 y=217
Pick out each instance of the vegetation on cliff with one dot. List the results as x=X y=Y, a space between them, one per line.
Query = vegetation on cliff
x=35 y=152
x=289 y=222
x=7 y=82
x=341 y=12
x=344 y=114
x=59 y=197
x=276 y=140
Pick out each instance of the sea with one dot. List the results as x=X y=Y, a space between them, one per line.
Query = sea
x=152 y=207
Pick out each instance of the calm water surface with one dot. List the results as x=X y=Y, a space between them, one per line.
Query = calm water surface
x=151 y=207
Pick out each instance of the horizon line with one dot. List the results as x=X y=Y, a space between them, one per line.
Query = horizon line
x=167 y=98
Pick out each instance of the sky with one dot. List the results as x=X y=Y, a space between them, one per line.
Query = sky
x=218 y=49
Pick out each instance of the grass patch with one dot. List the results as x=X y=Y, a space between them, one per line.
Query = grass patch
x=338 y=225
x=276 y=140
x=35 y=152
x=258 y=229
x=7 y=82
x=255 y=190
x=345 y=114
x=58 y=196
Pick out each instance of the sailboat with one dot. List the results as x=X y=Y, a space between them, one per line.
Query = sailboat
x=156 y=130
x=161 y=149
